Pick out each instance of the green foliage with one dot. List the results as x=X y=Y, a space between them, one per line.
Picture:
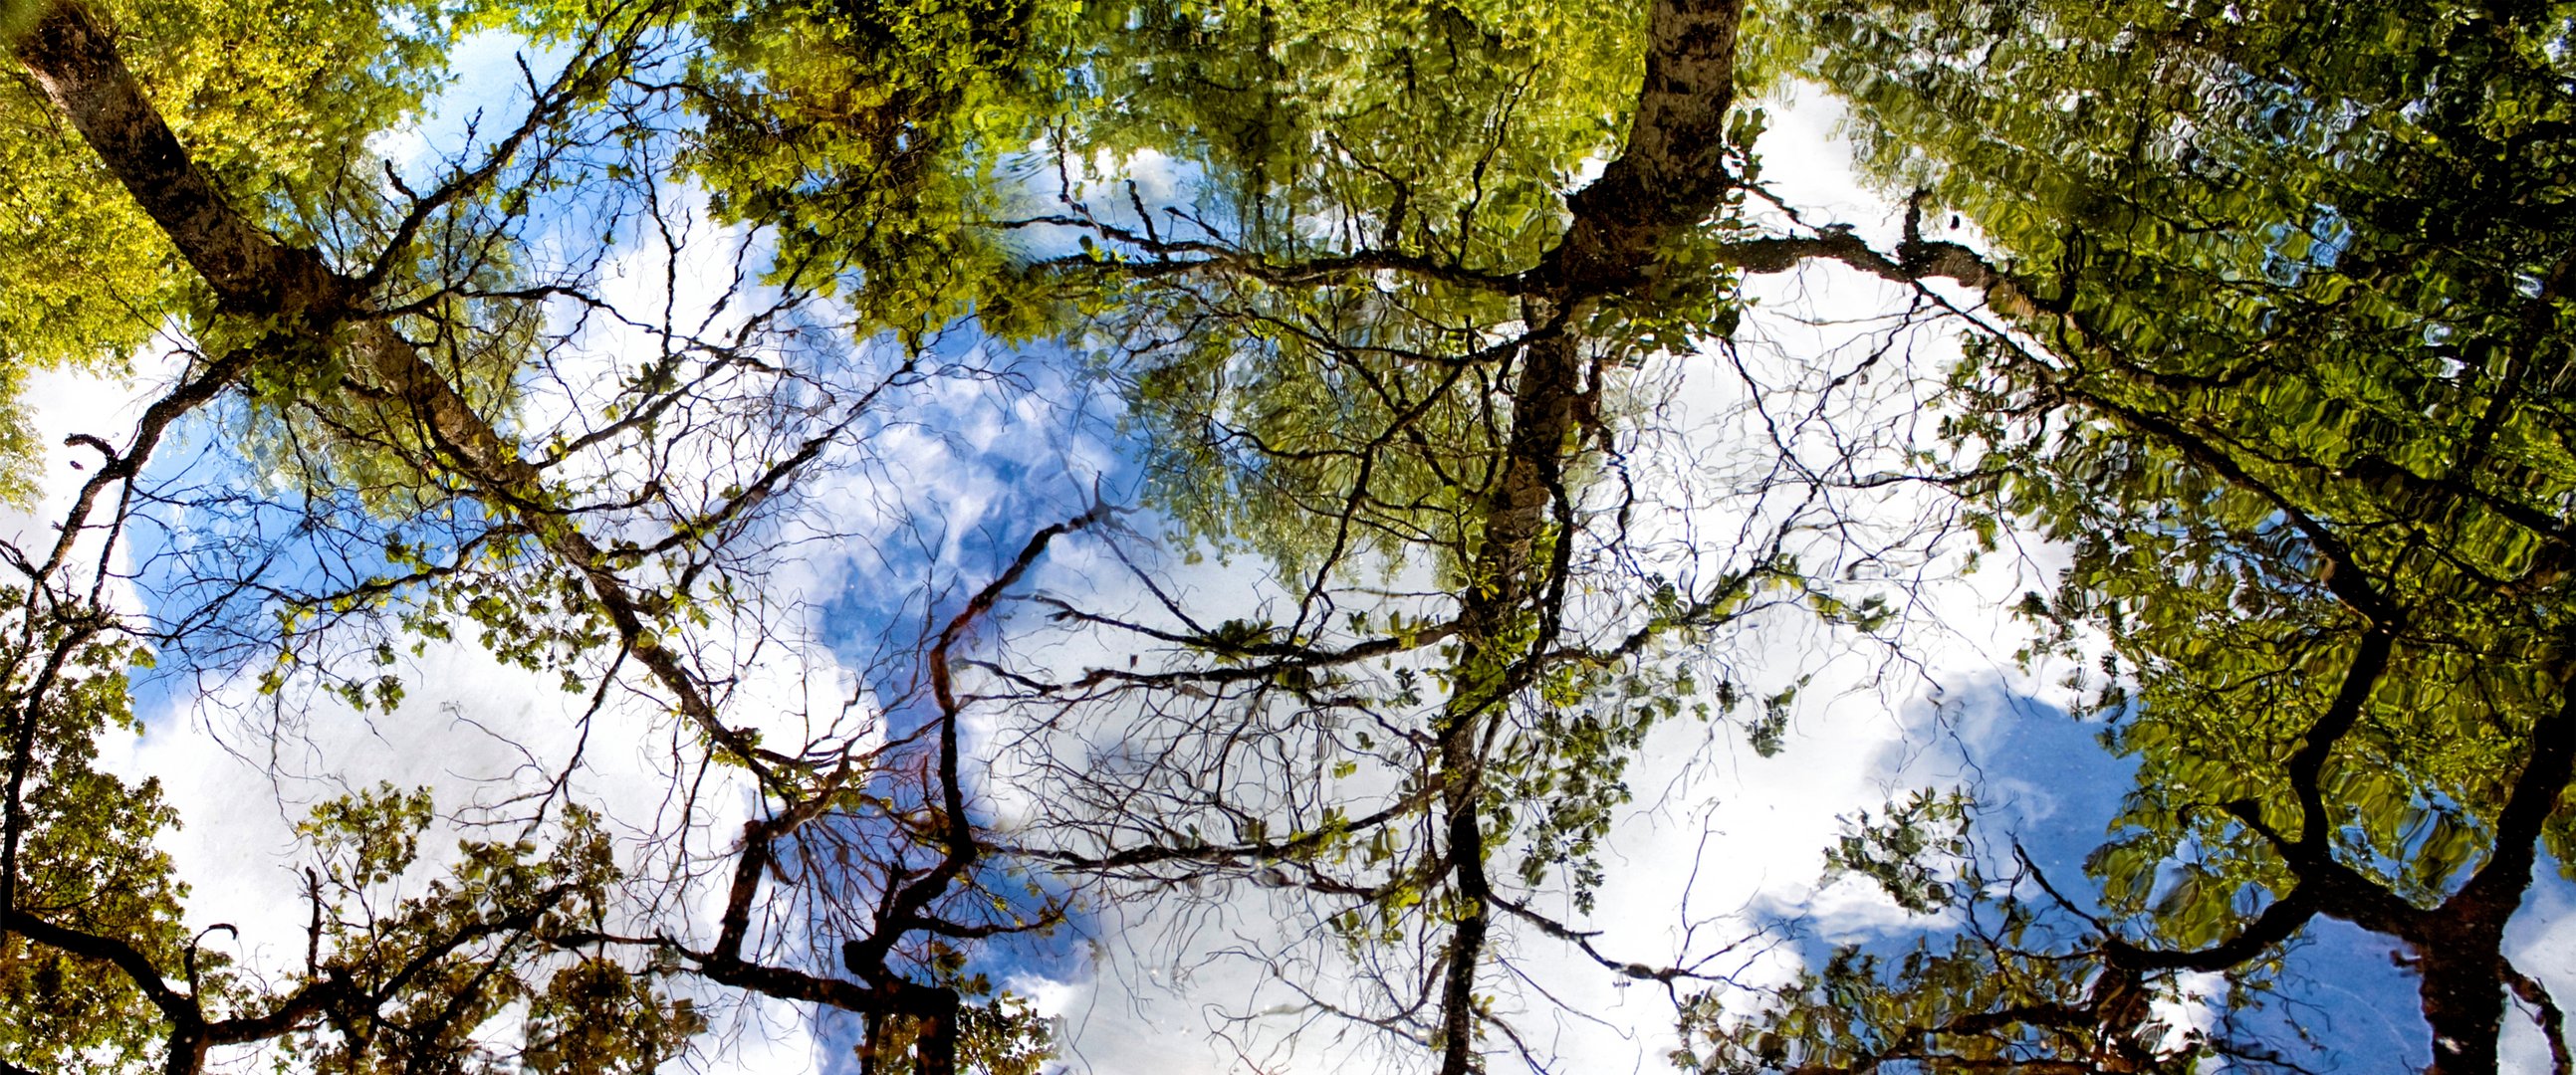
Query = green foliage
x=2254 y=267
x=1444 y=134
x=275 y=97
x=1907 y=849
x=1559 y=784
x=1861 y=1012
x=998 y=1036
x=368 y=837
x=450 y=956
x=873 y=136
x=90 y=862
x=1453 y=129
x=596 y=1017
x=2297 y=375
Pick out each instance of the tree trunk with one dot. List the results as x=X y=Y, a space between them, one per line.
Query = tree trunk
x=75 y=62
x=2463 y=997
x=1667 y=179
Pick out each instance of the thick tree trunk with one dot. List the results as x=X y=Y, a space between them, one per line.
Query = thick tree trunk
x=2461 y=943
x=2463 y=996
x=1667 y=179
x=1671 y=173
x=74 y=61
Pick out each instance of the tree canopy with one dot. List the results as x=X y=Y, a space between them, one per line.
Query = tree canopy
x=1453 y=467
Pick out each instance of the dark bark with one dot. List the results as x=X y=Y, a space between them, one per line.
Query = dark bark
x=2462 y=992
x=1671 y=174
x=1667 y=179
x=75 y=62
x=2460 y=945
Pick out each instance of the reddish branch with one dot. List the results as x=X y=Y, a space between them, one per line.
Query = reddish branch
x=907 y=910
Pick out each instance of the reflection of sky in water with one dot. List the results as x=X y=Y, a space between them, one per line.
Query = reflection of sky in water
x=953 y=476
x=974 y=468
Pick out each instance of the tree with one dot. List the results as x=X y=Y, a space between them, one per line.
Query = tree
x=374 y=342
x=1404 y=363
x=2278 y=359
x=2277 y=355
x=274 y=98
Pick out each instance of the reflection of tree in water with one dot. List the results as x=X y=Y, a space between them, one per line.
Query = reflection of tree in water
x=2270 y=336
x=2318 y=516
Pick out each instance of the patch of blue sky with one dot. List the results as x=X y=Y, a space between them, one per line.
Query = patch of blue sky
x=2347 y=990
x=2291 y=251
x=220 y=536
x=2043 y=784
x=487 y=87
x=969 y=468
x=991 y=460
x=1016 y=437
x=221 y=541
x=2049 y=786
